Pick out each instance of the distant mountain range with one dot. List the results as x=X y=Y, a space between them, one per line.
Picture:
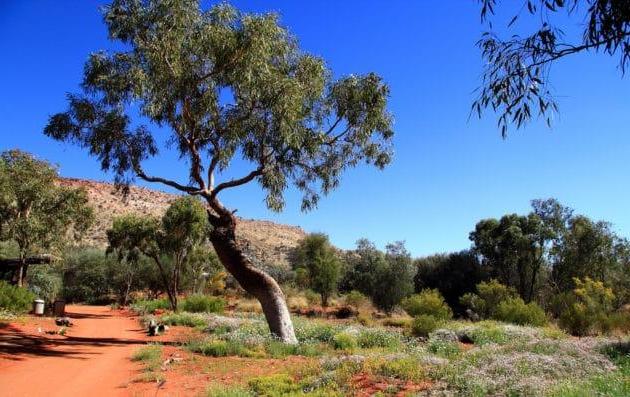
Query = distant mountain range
x=268 y=243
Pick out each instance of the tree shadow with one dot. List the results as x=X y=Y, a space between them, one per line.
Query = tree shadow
x=16 y=345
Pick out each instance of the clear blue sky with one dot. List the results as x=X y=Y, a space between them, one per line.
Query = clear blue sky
x=448 y=172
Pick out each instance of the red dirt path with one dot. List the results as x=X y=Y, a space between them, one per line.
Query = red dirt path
x=92 y=359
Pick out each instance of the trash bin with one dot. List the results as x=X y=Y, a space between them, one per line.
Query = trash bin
x=59 y=308
x=38 y=307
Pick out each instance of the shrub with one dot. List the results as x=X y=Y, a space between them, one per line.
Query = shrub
x=184 y=319
x=355 y=299
x=452 y=274
x=344 y=341
x=589 y=311
x=45 y=282
x=150 y=306
x=203 y=304
x=378 y=337
x=219 y=348
x=423 y=325
x=488 y=297
x=85 y=276
x=277 y=349
x=405 y=368
x=443 y=348
x=514 y=310
x=274 y=385
x=15 y=299
x=394 y=281
x=428 y=302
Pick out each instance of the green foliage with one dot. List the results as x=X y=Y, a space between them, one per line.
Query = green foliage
x=147 y=353
x=229 y=391
x=36 y=212
x=378 y=337
x=85 y=276
x=15 y=299
x=274 y=385
x=150 y=306
x=355 y=299
x=344 y=341
x=423 y=325
x=428 y=302
x=405 y=368
x=363 y=265
x=394 y=281
x=452 y=275
x=488 y=297
x=516 y=311
x=203 y=304
x=278 y=349
x=172 y=242
x=315 y=254
x=219 y=348
x=444 y=349
x=184 y=319
x=45 y=282
x=589 y=308
x=319 y=127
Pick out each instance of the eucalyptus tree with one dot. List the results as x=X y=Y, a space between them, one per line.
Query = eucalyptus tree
x=170 y=242
x=225 y=84
x=36 y=213
x=516 y=77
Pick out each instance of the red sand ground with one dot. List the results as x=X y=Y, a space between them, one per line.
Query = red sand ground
x=92 y=359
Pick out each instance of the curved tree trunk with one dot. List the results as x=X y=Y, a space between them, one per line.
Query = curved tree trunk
x=252 y=279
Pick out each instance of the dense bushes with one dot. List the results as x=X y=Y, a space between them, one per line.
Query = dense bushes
x=428 y=302
x=452 y=274
x=15 y=299
x=489 y=294
x=423 y=325
x=588 y=308
x=203 y=304
x=516 y=311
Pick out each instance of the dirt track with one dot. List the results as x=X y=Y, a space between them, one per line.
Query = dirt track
x=91 y=360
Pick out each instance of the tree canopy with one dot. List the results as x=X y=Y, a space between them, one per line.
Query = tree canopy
x=225 y=84
x=37 y=214
x=516 y=79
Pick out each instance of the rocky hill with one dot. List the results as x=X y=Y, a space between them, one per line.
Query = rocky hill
x=268 y=243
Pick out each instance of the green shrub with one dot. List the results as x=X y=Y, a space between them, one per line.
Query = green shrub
x=203 y=304
x=444 y=349
x=378 y=337
x=423 y=325
x=15 y=299
x=589 y=308
x=219 y=348
x=184 y=319
x=150 y=306
x=315 y=331
x=277 y=349
x=488 y=297
x=428 y=302
x=274 y=385
x=355 y=299
x=45 y=282
x=344 y=341
x=150 y=356
x=515 y=311
x=406 y=368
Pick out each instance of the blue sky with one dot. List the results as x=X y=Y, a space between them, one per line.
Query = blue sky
x=448 y=171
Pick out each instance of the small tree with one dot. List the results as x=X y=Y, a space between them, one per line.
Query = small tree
x=173 y=239
x=394 y=281
x=36 y=212
x=318 y=257
x=225 y=84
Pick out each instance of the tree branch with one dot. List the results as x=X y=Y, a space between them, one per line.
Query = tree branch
x=236 y=182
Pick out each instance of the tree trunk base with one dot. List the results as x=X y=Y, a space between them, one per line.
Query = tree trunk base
x=255 y=281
